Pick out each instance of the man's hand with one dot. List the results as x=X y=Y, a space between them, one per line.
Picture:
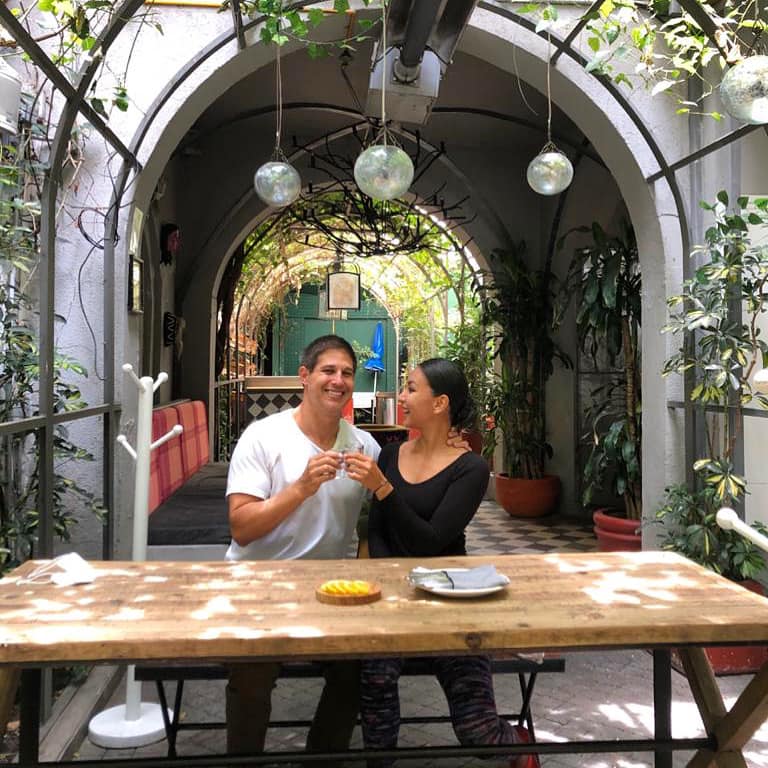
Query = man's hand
x=319 y=470
x=455 y=440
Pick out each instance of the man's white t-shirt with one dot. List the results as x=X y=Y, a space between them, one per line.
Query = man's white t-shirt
x=271 y=454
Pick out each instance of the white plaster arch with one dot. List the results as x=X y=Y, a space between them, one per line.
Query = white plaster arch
x=588 y=103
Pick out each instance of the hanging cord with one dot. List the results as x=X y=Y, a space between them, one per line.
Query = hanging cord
x=384 y=70
x=549 y=89
x=549 y=146
x=278 y=96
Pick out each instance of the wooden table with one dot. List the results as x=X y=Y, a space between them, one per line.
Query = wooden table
x=182 y=611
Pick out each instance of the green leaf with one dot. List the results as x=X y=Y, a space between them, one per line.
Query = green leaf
x=341 y=6
x=316 y=16
x=722 y=196
x=664 y=85
x=98 y=106
x=316 y=51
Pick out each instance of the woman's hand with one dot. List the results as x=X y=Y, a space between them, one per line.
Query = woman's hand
x=364 y=469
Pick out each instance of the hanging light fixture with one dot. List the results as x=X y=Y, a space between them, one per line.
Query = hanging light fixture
x=383 y=171
x=277 y=182
x=550 y=172
x=744 y=90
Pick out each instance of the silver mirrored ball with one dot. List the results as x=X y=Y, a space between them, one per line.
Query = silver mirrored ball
x=549 y=173
x=383 y=172
x=277 y=183
x=744 y=90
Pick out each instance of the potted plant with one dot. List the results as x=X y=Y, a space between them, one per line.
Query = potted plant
x=605 y=276
x=690 y=528
x=518 y=309
x=718 y=313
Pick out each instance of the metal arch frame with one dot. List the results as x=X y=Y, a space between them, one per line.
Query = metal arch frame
x=77 y=105
x=334 y=136
x=658 y=155
x=337 y=109
x=74 y=104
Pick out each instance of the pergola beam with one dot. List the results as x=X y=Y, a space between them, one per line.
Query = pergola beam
x=52 y=72
x=723 y=141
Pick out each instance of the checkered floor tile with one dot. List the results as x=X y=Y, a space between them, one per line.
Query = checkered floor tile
x=494 y=532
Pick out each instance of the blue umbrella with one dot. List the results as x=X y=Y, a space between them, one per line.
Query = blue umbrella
x=375 y=362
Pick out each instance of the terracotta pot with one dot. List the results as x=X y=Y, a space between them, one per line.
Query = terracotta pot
x=616 y=534
x=527 y=498
x=734 y=660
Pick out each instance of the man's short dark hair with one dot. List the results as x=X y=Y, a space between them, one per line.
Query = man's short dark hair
x=315 y=348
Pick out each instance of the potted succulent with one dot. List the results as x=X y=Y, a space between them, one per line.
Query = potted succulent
x=605 y=276
x=718 y=313
x=518 y=309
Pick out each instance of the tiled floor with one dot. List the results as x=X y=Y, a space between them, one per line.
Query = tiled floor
x=493 y=532
x=600 y=695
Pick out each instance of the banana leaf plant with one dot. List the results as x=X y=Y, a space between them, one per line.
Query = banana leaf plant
x=605 y=277
x=518 y=308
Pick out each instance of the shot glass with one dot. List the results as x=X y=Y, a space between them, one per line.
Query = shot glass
x=351 y=447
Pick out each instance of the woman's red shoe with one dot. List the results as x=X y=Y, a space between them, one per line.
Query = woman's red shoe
x=523 y=736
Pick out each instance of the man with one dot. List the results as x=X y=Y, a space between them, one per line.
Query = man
x=286 y=502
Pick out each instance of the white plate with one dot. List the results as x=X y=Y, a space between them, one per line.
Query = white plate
x=451 y=592
x=446 y=592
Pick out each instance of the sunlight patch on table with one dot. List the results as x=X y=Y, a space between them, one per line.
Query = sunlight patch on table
x=240 y=633
x=213 y=607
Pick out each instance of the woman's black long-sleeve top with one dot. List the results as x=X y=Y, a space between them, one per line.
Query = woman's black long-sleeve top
x=426 y=519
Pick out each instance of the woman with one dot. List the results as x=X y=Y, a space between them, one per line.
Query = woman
x=426 y=491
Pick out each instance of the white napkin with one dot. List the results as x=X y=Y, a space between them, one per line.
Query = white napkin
x=64 y=570
x=481 y=577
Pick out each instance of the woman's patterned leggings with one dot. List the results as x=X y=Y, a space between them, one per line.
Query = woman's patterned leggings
x=467 y=682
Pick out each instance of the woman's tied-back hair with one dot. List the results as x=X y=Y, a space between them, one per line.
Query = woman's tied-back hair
x=321 y=344
x=447 y=378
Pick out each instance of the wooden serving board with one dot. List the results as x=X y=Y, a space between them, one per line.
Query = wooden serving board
x=371 y=597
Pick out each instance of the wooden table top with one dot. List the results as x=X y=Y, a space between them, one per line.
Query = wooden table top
x=219 y=610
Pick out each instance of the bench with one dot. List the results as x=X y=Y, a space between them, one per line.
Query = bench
x=174 y=462
x=187 y=505
x=527 y=671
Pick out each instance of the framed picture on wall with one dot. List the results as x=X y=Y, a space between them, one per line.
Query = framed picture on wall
x=343 y=290
x=135 y=284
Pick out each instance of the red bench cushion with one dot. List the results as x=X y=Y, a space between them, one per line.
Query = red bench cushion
x=194 y=438
x=166 y=472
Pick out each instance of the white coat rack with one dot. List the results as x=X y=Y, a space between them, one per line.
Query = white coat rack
x=728 y=520
x=136 y=723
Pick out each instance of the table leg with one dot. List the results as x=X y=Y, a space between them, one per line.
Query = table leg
x=29 y=716
x=662 y=704
x=731 y=729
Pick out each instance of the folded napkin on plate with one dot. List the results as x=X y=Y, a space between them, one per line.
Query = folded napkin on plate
x=482 y=577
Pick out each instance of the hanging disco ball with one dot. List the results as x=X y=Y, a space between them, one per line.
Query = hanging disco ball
x=383 y=172
x=550 y=172
x=744 y=90
x=277 y=183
